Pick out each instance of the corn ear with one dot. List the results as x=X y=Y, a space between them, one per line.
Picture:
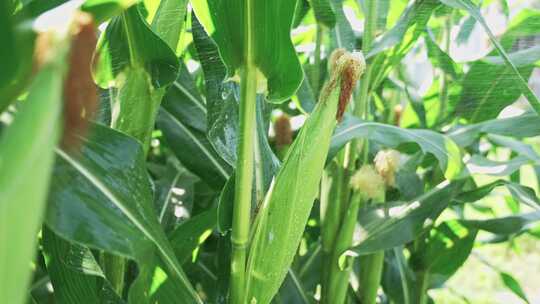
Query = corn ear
x=287 y=206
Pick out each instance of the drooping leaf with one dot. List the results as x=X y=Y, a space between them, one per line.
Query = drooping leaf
x=521 y=193
x=441 y=146
x=192 y=148
x=306 y=96
x=129 y=41
x=417 y=14
x=480 y=165
x=504 y=225
x=488 y=89
x=16 y=72
x=466 y=30
x=511 y=283
x=521 y=81
x=342 y=35
x=519 y=147
x=526 y=125
x=222 y=106
x=184 y=101
x=8 y=54
x=448 y=247
x=323 y=12
x=398 y=279
x=438 y=56
x=292 y=290
x=169 y=20
x=409 y=219
x=106 y=187
x=185 y=239
x=521 y=58
x=26 y=161
x=174 y=188
x=273 y=52
x=102 y=10
x=190 y=234
x=136 y=105
x=75 y=275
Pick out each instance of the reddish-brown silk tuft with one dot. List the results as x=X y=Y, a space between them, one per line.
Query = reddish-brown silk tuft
x=80 y=92
x=283 y=131
x=348 y=80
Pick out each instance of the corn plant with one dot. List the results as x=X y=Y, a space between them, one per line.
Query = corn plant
x=254 y=152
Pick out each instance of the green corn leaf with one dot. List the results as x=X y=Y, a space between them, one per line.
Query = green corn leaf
x=519 y=147
x=270 y=165
x=273 y=53
x=441 y=146
x=75 y=275
x=35 y=8
x=342 y=35
x=16 y=71
x=185 y=239
x=222 y=104
x=26 y=160
x=192 y=147
x=521 y=58
x=106 y=187
x=519 y=192
x=511 y=283
x=190 y=234
x=504 y=225
x=184 y=101
x=287 y=205
x=448 y=247
x=225 y=206
x=488 y=89
x=526 y=125
x=168 y=21
x=511 y=67
x=103 y=10
x=478 y=164
x=398 y=279
x=292 y=290
x=135 y=108
x=165 y=195
x=438 y=56
x=323 y=12
x=129 y=41
x=8 y=54
x=186 y=118
x=404 y=222
x=415 y=16
x=306 y=96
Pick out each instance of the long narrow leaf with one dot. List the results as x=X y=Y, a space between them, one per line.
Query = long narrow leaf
x=26 y=160
x=475 y=13
x=107 y=188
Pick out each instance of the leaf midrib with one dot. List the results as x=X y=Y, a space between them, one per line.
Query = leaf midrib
x=92 y=178
x=209 y=155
